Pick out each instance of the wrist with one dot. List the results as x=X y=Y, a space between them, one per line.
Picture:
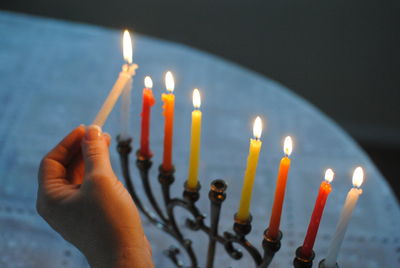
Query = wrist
x=138 y=257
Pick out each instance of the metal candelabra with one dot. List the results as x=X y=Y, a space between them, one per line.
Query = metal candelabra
x=166 y=220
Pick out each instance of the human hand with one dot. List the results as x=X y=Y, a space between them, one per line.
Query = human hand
x=82 y=199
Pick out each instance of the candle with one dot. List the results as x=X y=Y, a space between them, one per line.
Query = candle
x=126 y=93
x=349 y=205
x=148 y=100
x=312 y=230
x=273 y=229
x=243 y=213
x=124 y=78
x=169 y=101
x=125 y=110
x=194 y=158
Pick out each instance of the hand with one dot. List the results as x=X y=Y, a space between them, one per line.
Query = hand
x=81 y=198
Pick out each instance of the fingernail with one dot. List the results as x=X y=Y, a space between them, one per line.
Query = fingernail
x=107 y=134
x=93 y=132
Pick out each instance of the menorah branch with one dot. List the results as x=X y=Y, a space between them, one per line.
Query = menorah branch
x=144 y=164
x=270 y=246
x=124 y=149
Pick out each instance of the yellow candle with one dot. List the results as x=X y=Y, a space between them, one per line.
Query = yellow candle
x=252 y=161
x=194 y=158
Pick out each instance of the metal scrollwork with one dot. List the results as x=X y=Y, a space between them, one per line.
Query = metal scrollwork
x=166 y=219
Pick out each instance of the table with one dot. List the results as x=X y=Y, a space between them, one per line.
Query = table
x=55 y=75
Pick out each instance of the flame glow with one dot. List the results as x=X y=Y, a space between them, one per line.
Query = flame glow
x=169 y=82
x=127 y=47
x=358 y=177
x=329 y=174
x=196 y=98
x=148 y=83
x=257 y=128
x=288 y=146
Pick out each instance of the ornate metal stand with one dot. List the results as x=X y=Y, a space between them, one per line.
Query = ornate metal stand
x=301 y=261
x=322 y=264
x=166 y=220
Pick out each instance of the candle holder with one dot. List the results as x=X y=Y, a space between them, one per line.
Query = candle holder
x=322 y=264
x=301 y=261
x=165 y=219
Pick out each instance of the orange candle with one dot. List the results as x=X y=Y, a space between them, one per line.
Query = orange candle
x=324 y=191
x=273 y=229
x=169 y=102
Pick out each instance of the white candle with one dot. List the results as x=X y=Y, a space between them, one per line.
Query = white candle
x=349 y=205
x=125 y=110
x=125 y=77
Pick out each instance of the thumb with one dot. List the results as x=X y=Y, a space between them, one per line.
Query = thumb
x=95 y=152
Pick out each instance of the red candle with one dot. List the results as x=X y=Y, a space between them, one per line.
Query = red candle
x=273 y=229
x=169 y=101
x=148 y=101
x=312 y=230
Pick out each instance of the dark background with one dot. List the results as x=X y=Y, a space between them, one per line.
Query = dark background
x=343 y=55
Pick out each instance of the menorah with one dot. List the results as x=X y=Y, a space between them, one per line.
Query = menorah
x=166 y=220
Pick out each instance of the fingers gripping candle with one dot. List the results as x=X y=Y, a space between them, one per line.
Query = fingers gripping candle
x=316 y=216
x=349 y=205
x=169 y=102
x=243 y=213
x=124 y=81
x=273 y=229
x=194 y=158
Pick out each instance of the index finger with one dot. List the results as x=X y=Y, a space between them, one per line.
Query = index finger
x=63 y=151
x=53 y=165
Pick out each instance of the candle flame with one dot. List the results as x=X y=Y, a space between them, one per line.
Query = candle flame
x=127 y=47
x=257 y=127
x=148 y=83
x=288 y=146
x=358 y=177
x=169 y=82
x=196 y=98
x=329 y=174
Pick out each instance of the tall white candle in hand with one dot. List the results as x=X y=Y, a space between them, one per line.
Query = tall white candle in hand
x=124 y=79
x=349 y=205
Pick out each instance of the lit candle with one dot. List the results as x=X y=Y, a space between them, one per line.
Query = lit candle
x=124 y=79
x=194 y=158
x=169 y=102
x=316 y=216
x=273 y=229
x=243 y=213
x=148 y=100
x=349 y=205
x=126 y=92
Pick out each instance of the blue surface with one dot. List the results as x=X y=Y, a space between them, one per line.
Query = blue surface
x=55 y=75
